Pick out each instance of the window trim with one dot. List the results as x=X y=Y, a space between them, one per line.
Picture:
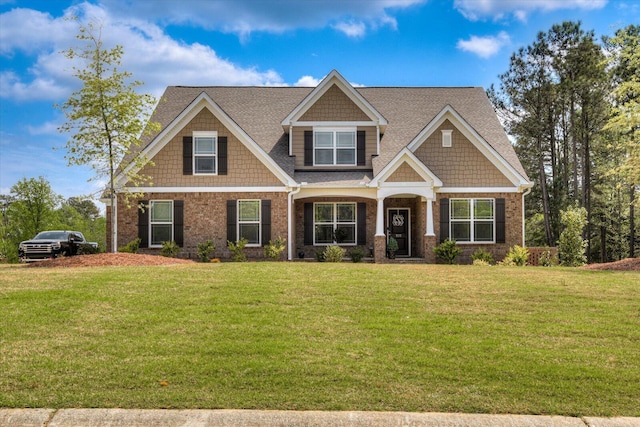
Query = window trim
x=335 y=224
x=259 y=221
x=334 y=148
x=152 y=222
x=472 y=221
x=205 y=134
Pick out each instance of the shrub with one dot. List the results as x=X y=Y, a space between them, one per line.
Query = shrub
x=206 y=250
x=517 y=256
x=334 y=253
x=356 y=254
x=571 y=246
x=274 y=249
x=320 y=256
x=88 y=250
x=448 y=251
x=131 y=247
x=480 y=262
x=237 y=250
x=482 y=255
x=547 y=259
x=170 y=249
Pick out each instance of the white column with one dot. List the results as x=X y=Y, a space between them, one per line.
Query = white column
x=380 y=217
x=429 y=228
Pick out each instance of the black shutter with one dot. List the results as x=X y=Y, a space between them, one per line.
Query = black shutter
x=232 y=218
x=362 y=224
x=222 y=155
x=308 y=223
x=143 y=223
x=444 y=220
x=361 y=148
x=266 y=222
x=308 y=148
x=500 y=221
x=187 y=155
x=178 y=222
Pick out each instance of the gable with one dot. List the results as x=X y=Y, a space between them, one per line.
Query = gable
x=405 y=173
x=462 y=164
x=244 y=168
x=334 y=105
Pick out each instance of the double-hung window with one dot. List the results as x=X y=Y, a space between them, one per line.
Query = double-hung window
x=334 y=147
x=160 y=222
x=205 y=156
x=249 y=216
x=472 y=220
x=334 y=223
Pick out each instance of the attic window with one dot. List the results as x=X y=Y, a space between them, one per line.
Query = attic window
x=446 y=138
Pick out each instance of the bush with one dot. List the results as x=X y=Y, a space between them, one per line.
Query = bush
x=237 y=250
x=206 y=250
x=547 y=259
x=448 y=251
x=571 y=246
x=131 y=247
x=482 y=255
x=517 y=256
x=274 y=249
x=480 y=262
x=170 y=249
x=356 y=254
x=334 y=253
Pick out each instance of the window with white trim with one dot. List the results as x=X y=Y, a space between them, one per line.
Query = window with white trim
x=205 y=148
x=333 y=147
x=249 y=224
x=334 y=223
x=472 y=220
x=160 y=222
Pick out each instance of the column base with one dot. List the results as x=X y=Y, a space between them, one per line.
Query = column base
x=380 y=249
x=429 y=244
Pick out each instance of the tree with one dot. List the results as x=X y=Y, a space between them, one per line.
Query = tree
x=571 y=246
x=106 y=117
x=33 y=204
x=624 y=122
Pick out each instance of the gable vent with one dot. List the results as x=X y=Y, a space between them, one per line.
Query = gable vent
x=446 y=138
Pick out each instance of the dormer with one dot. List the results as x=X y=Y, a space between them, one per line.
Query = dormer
x=334 y=128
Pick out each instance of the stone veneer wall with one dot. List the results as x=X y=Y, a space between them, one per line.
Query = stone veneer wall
x=513 y=224
x=205 y=217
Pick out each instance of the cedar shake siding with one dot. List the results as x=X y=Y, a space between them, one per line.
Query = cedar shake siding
x=405 y=173
x=243 y=168
x=334 y=106
x=462 y=164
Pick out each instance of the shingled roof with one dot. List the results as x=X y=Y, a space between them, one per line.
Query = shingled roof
x=259 y=111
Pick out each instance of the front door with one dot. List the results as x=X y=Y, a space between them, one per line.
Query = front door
x=398 y=227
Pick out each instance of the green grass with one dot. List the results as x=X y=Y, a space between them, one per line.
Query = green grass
x=322 y=336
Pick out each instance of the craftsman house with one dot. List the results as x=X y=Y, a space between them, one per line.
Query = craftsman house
x=312 y=165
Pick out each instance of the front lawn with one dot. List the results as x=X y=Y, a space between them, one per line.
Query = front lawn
x=322 y=336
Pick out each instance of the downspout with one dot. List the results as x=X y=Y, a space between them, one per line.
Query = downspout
x=523 y=227
x=290 y=220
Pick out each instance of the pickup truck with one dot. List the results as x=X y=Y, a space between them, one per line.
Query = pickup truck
x=52 y=244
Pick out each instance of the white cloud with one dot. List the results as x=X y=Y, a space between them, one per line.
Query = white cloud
x=243 y=17
x=353 y=29
x=149 y=52
x=499 y=9
x=484 y=47
x=307 y=81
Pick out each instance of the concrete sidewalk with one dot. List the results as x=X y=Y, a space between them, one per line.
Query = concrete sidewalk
x=245 y=418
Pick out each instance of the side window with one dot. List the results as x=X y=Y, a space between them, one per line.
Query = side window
x=205 y=153
x=249 y=221
x=472 y=220
x=160 y=222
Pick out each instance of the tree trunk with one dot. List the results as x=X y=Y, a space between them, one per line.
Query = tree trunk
x=632 y=222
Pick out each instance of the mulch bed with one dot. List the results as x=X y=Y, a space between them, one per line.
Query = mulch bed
x=109 y=259
x=628 y=264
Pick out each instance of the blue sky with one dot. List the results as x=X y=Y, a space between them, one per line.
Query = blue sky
x=257 y=42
